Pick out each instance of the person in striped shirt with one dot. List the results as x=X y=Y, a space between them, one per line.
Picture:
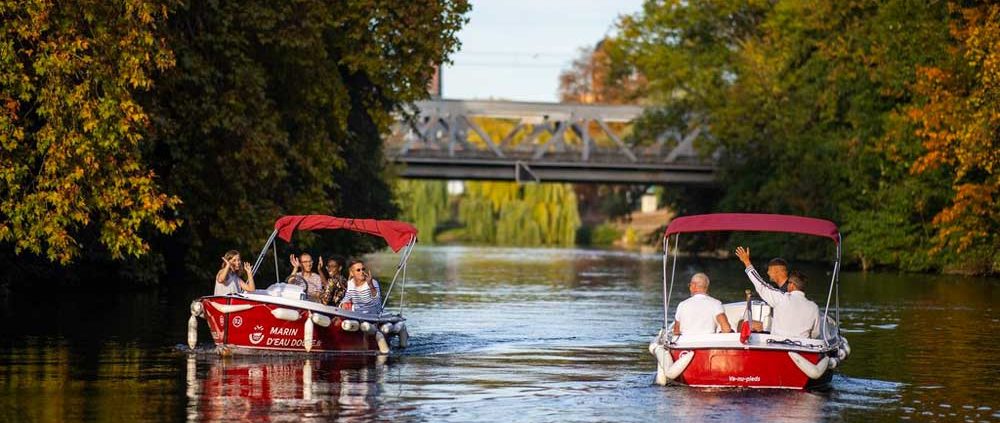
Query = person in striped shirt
x=363 y=291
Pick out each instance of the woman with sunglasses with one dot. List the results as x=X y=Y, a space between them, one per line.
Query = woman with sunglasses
x=363 y=292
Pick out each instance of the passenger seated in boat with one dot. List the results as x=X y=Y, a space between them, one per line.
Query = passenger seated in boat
x=777 y=272
x=700 y=314
x=302 y=275
x=228 y=280
x=333 y=280
x=794 y=314
x=363 y=292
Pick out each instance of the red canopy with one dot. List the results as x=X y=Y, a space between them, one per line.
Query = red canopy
x=754 y=223
x=397 y=234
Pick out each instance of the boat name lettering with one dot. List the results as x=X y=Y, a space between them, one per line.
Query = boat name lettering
x=278 y=342
x=284 y=331
x=744 y=378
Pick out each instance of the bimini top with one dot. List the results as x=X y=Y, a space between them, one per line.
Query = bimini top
x=396 y=234
x=754 y=223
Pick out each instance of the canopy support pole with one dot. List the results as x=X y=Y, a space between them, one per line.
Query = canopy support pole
x=668 y=292
x=826 y=311
x=401 y=267
x=275 y=249
x=260 y=257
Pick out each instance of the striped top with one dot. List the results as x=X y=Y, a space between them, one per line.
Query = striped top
x=362 y=299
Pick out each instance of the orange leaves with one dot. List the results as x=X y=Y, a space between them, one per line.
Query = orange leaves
x=959 y=123
x=73 y=76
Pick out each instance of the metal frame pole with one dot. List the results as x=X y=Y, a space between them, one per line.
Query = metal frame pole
x=260 y=257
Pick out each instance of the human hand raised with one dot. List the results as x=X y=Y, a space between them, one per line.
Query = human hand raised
x=744 y=255
x=247 y=268
x=295 y=262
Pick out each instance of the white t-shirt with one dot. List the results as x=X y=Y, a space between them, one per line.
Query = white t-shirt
x=231 y=285
x=697 y=315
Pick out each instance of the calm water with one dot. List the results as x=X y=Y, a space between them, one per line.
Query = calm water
x=502 y=335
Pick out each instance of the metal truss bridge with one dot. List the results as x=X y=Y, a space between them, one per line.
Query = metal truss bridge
x=550 y=142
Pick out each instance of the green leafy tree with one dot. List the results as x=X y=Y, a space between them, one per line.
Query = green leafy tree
x=72 y=170
x=424 y=203
x=279 y=108
x=804 y=104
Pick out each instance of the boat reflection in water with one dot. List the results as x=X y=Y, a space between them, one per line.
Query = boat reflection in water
x=283 y=388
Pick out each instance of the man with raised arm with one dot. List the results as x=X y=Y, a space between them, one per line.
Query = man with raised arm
x=700 y=314
x=794 y=314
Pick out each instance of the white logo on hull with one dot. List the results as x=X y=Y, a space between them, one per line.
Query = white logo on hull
x=257 y=336
x=237 y=321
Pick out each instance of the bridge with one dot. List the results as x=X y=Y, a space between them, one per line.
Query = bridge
x=552 y=142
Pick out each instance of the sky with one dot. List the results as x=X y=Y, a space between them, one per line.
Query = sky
x=515 y=49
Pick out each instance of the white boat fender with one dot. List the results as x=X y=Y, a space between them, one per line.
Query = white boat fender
x=404 y=335
x=197 y=309
x=667 y=368
x=349 y=325
x=847 y=346
x=307 y=334
x=655 y=342
x=368 y=328
x=663 y=362
x=193 y=331
x=680 y=365
x=814 y=371
x=321 y=319
x=386 y=328
x=841 y=353
x=383 y=345
x=833 y=363
x=230 y=308
x=285 y=314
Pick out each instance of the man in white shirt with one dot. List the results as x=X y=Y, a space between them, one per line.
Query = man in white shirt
x=700 y=314
x=794 y=314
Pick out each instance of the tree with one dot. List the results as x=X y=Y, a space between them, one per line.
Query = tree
x=802 y=102
x=958 y=120
x=279 y=107
x=72 y=133
x=600 y=75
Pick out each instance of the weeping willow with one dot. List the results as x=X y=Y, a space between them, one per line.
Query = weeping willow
x=423 y=203
x=535 y=215
x=477 y=215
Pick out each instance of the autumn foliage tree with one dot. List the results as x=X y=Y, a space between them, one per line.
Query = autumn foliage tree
x=880 y=115
x=958 y=120
x=186 y=128
x=72 y=172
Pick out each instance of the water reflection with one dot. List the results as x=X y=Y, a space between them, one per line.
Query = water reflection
x=264 y=388
x=500 y=334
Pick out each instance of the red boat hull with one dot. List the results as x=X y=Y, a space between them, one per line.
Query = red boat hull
x=748 y=368
x=257 y=328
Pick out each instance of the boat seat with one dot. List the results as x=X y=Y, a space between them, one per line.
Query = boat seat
x=760 y=312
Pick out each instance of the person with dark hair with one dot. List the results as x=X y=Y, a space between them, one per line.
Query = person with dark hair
x=228 y=280
x=794 y=314
x=334 y=280
x=363 y=292
x=777 y=272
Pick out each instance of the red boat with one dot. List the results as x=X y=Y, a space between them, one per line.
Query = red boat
x=281 y=319
x=761 y=360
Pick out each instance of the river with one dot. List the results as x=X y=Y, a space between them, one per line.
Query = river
x=501 y=334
